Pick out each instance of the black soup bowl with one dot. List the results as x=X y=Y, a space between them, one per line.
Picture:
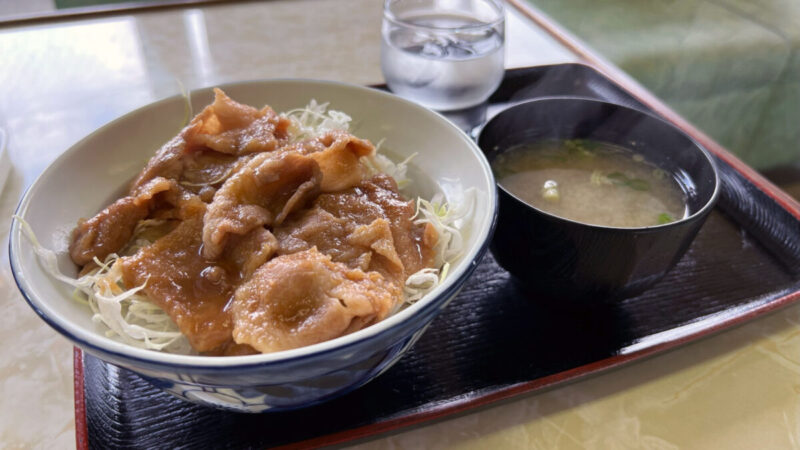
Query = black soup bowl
x=567 y=260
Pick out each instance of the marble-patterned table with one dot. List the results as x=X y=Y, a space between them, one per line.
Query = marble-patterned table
x=59 y=80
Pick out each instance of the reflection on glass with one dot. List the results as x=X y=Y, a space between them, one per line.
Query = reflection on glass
x=443 y=54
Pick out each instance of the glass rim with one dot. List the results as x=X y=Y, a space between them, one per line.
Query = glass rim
x=496 y=4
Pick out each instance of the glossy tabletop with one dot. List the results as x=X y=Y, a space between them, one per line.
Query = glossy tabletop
x=60 y=80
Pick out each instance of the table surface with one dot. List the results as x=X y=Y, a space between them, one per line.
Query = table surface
x=63 y=79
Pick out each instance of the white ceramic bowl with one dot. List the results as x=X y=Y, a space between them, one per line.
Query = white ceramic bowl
x=92 y=173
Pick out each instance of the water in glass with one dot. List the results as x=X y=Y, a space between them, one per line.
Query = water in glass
x=446 y=61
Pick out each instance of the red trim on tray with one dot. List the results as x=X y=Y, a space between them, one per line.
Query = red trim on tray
x=597 y=367
x=81 y=430
x=478 y=400
x=630 y=85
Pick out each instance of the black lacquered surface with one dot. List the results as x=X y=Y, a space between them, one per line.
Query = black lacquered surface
x=492 y=336
x=572 y=261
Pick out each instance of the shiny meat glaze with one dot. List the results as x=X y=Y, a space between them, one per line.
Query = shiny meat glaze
x=379 y=197
x=338 y=154
x=263 y=192
x=112 y=228
x=368 y=226
x=264 y=245
x=304 y=298
x=191 y=289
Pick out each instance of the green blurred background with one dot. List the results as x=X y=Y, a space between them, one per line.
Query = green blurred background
x=731 y=67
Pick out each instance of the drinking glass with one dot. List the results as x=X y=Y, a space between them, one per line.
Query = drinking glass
x=444 y=54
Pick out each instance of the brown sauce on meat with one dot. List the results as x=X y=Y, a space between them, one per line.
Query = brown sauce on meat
x=192 y=290
x=379 y=197
x=261 y=245
x=305 y=298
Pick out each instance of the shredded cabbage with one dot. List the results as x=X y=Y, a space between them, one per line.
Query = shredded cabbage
x=378 y=163
x=130 y=317
x=314 y=120
x=449 y=221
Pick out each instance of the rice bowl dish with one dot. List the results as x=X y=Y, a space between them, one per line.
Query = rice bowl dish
x=376 y=116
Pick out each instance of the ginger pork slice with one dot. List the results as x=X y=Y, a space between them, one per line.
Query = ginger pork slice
x=379 y=198
x=369 y=227
x=261 y=193
x=166 y=163
x=230 y=127
x=192 y=290
x=244 y=254
x=205 y=167
x=338 y=154
x=111 y=229
x=365 y=247
x=305 y=298
x=225 y=127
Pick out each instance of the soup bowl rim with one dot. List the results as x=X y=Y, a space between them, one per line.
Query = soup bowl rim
x=700 y=212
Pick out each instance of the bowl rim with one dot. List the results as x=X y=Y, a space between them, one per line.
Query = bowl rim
x=93 y=339
x=708 y=205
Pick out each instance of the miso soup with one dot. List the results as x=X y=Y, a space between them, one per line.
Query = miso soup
x=591 y=182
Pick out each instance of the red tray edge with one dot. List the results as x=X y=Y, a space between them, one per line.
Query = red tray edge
x=646 y=97
x=452 y=408
x=81 y=429
x=540 y=384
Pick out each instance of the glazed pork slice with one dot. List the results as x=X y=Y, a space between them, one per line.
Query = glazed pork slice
x=244 y=254
x=230 y=127
x=305 y=298
x=192 y=290
x=225 y=127
x=356 y=211
x=338 y=154
x=111 y=229
x=365 y=247
x=318 y=228
x=205 y=170
x=166 y=163
x=261 y=193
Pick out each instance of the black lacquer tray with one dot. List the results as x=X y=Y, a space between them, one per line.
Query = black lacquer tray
x=492 y=342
